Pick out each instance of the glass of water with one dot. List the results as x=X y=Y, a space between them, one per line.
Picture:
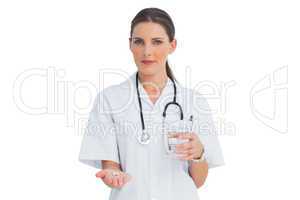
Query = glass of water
x=177 y=126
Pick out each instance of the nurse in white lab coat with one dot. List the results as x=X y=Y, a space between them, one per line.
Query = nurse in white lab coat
x=138 y=171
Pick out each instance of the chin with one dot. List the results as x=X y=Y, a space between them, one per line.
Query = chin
x=147 y=72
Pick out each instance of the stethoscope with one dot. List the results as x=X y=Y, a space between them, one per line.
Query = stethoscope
x=145 y=137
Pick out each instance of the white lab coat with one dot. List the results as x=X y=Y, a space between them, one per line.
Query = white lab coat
x=111 y=134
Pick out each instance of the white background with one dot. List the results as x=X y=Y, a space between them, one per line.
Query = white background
x=241 y=42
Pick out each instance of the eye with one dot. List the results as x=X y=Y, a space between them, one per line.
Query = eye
x=157 y=42
x=137 y=41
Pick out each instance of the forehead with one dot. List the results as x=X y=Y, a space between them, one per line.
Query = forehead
x=149 y=30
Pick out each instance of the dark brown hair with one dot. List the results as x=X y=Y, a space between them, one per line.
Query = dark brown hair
x=161 y=17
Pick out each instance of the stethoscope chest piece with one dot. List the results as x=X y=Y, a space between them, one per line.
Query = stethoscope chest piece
x=144 y=138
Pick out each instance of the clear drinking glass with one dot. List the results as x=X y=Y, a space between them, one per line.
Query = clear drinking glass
x=177 y=126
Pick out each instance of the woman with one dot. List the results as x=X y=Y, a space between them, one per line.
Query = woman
x=127 y=141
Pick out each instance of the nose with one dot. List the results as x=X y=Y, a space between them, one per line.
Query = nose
x=148 y=50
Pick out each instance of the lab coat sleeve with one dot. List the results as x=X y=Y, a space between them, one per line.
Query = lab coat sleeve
x=99 y=139
x=205 y=128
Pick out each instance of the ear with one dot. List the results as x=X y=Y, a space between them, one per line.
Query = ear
x=129 y=39
x=173 y=46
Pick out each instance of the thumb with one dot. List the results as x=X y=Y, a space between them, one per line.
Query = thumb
x=101 y=174
x=128 y=177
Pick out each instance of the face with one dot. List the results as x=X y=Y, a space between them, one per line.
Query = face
x=150 y=47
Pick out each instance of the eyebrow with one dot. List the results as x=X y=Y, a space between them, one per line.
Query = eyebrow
x=152 y=38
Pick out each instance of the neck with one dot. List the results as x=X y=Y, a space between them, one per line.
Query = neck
x=153 y=82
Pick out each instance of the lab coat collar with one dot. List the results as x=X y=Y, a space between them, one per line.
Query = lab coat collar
x=167 y=90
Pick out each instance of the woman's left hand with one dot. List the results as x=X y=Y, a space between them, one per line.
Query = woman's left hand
x=188 y=150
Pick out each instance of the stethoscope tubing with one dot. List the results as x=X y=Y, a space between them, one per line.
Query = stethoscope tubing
x=145 y=137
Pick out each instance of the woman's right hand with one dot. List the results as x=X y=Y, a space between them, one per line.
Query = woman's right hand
x=113 y=178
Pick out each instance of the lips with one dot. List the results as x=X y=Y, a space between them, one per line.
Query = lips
x=148 y=62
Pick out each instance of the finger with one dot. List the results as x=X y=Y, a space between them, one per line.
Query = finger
x=173 y=134
x=188 y=136
x=101 y=174
x=190 y=157
x=177 y=134
x=186 y=151
x=108 y=180
x=193 y=154
x=182 y=156
x=193 y=151
x=121 y=180
x=127 y=178
x=184 y=146
x=115 y=181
